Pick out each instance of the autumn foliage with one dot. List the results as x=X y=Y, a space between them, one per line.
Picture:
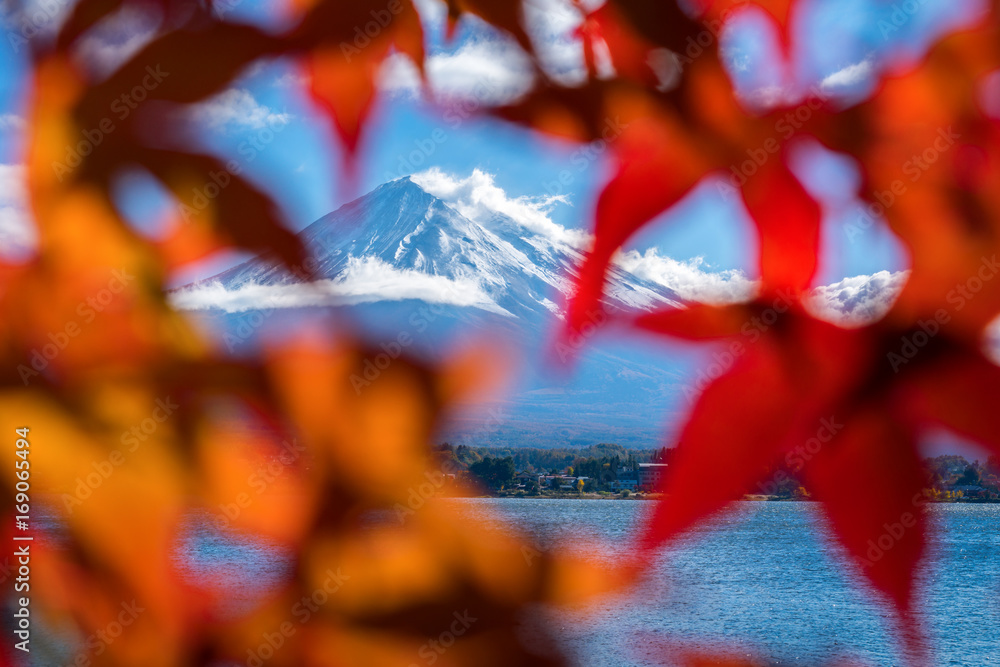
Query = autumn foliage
x=401 y=583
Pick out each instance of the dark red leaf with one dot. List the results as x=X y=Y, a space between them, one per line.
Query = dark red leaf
x=961 y=392
x=697 y=321
x=239 y=210
x=663 y=23
x=788 y=220
x=186 y=65
x=649 y=179
x=870 y=481
x=740 y=424
x=344 y=60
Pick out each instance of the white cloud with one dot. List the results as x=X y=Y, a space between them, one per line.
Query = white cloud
x=991 y=341
x=32 y=21
x=840 y=82
x=740 y=62
x=479 y=198
x=12 y=184
x=490 y=67
x=552 y=17
x=553 y=26
x=113 y=41
x=849 y=76
x=431 y=11
x=292 y=79
x=9 y=121
x=489 y=71
x=17 y=232
x=236 y=107
x=769 y=97
x=688 y=279
x=859 y=300
x=365 y=280
x=851 y=302
x=400 y=76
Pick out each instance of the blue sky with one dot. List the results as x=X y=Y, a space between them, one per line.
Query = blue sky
x=300 y=163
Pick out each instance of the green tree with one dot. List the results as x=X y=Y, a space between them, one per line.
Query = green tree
x=970 y=477
x=993 y=465
x=493 y=472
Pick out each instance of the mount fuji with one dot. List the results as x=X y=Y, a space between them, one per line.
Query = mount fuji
x=401 y=264
x=402 y=260
x=400 y=242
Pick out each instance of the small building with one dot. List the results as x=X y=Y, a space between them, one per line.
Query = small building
x=968 y=490
x=650 y=475
x=627 y=481
x=560 y=482
x=525 y=480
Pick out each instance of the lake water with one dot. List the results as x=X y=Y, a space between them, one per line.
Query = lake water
x=763 y=578
x=766 y=577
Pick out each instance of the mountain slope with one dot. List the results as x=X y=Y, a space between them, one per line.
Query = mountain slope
x=405 y=261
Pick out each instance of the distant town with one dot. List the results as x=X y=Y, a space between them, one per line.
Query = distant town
x=612 y=471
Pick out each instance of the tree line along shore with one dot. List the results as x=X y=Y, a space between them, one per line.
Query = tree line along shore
x=613 y=471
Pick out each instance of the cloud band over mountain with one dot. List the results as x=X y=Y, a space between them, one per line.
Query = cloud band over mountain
x=428 y=268
x=365 y=280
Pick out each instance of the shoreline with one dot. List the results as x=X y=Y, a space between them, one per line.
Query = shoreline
x=660 y=496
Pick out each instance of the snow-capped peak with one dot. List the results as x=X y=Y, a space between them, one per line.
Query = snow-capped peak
x=374 y=247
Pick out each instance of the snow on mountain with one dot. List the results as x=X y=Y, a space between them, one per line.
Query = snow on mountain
x=858 y=300
x=363 y=280
x=399 y=242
